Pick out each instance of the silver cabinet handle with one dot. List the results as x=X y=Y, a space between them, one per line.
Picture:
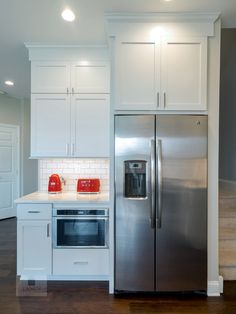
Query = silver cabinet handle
x=164 y=99
x=33 y=211
x=67 y=149
x=48 y=230
x=80 y=263
x=73 y=91
x=158 y=99
x=153 y=187
x=159 y=183
x=72 y=149
x=67 y=90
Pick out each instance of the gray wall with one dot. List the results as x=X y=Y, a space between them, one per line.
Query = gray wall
x=227 y=147
x=17 y=112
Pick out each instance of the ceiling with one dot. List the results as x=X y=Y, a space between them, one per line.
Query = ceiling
x=40 y=21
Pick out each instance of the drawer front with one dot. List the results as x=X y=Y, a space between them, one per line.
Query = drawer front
x=34 y=211
x=87 y=262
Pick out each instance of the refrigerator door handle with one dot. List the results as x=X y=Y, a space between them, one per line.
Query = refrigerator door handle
x=159 y=183
x=153 y=194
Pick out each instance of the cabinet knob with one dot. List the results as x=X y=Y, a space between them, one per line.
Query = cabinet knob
x=67 y=90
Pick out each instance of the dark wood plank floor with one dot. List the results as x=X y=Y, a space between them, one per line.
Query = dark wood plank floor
x=93 y=297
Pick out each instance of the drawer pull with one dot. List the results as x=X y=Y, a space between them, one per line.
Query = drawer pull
x=33 y=211
x=81 y=263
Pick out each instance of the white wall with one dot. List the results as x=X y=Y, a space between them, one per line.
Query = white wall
x=227 y=105
x=17 y=112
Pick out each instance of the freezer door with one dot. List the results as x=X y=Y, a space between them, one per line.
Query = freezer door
x=134 y=235
x=181 y=237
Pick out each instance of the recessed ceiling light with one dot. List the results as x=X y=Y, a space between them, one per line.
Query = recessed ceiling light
x=68 y=15
x=10 y=83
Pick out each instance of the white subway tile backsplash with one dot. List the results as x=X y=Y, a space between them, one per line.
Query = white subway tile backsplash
x=72 y=169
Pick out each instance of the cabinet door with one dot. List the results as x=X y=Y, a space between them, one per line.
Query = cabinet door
x=50 y=125
x=91 y=125
x=50 y=77
x=184 y=74
x=137 y=76
x=90 y=77
x=34 y=247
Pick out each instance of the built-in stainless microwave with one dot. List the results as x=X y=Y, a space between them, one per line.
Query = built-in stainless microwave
x=80 y=228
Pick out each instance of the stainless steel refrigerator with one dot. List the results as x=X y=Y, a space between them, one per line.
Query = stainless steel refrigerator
x=160 y=203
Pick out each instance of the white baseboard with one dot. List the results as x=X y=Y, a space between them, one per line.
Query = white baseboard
x=215 y=288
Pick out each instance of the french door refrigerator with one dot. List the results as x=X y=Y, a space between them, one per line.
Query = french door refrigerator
x=160 y=203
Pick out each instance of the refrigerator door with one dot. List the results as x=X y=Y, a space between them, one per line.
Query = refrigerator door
x=181 y=237
x=134 y=201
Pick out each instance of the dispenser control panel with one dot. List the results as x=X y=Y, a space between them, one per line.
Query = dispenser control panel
x=135 y=179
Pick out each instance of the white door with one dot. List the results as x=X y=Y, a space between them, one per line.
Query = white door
x=91 y=125
x=184 y=74
x=34 y=247
x=90 y=77
x=9 y=170
x=50 y=77
x=137 y=75
x=50 y=125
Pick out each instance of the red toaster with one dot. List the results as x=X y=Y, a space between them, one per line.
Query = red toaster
x=88 y=186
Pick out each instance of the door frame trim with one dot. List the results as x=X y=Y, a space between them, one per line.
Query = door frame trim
x=18 y=156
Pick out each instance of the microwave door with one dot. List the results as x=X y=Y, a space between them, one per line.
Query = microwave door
x=134 y=235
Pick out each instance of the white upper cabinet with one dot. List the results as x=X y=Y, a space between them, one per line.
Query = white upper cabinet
x=184 y=74
x=70 y=125
x=137 y=79
x=50 y=77
x=50 y=125
x=91 y=125
x=90 y=77
x=160 y=61
x=70 y=104
x=161 y=75
x=69 y=78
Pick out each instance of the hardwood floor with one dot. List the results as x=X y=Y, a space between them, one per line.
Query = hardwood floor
x=93 y=297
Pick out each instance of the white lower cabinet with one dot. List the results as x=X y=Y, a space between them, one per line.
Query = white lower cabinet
x=34 y=247
x=37 y=259
x=34 y=239
x=83 y=262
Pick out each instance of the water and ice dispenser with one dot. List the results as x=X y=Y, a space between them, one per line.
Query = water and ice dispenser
x=135 y=179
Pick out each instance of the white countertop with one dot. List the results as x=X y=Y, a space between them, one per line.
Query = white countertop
x=70 y=197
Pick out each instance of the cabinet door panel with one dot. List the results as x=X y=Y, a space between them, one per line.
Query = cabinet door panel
x=89 y=77
x=184 y=76
x=50 y=125
x=91 y=135
x=137 y=76
x=34 y=247
x=50 y=77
